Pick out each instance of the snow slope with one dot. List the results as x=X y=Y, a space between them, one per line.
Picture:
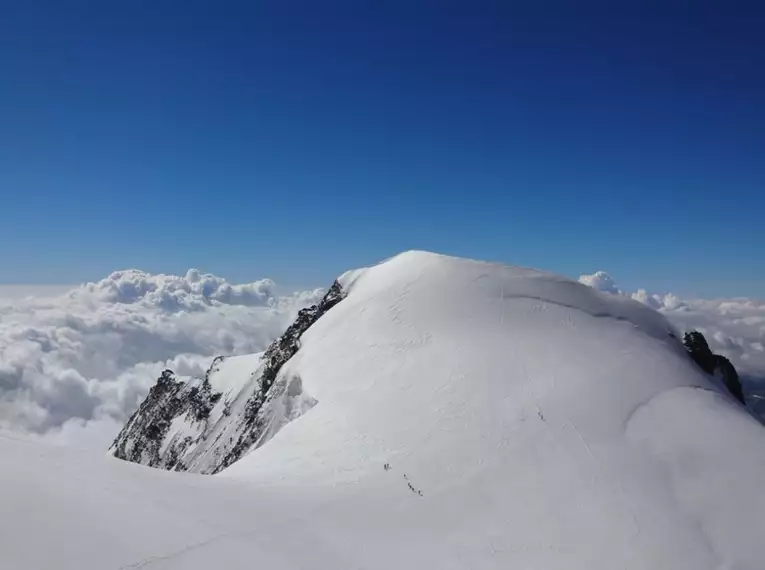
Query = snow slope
x=466 y=415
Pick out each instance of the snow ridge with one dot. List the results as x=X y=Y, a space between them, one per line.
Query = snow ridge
x=205 y=425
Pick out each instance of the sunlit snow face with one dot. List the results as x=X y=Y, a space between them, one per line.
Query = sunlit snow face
x=75 y=365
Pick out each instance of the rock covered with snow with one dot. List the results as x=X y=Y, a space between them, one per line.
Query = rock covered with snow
x=204 y=425
x=714 y=364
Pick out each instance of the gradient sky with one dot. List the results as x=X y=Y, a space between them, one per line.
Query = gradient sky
x=298 y=139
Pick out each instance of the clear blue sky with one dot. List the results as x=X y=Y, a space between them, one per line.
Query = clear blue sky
x=297 y=139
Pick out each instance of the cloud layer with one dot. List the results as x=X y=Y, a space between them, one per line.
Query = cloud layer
x=75 y=366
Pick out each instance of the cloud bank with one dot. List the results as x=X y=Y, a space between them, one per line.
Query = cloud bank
x=73 y=367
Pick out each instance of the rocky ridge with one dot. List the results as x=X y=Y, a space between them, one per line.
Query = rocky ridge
x=714 y=364
x=191 y=426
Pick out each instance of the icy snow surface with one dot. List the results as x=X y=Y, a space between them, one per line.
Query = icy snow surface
x=465 y=415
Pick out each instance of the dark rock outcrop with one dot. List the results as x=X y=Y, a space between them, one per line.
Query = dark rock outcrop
x=698 y=348
x=730 y=377
x=141 y=439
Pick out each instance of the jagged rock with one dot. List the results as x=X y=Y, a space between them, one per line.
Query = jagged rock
x=189 y=426
x=142 y=438
x=730 y=378
x=699 y=350
x=280 y=351
x=711 y=363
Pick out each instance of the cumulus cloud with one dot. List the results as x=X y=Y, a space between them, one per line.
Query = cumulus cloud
x=74 y=366
x=734 y=328
x=601 y=281
x=194 y=291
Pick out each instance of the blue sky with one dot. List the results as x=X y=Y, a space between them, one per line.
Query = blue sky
x=298 y=139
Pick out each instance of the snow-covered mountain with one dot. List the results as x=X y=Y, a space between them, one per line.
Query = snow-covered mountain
x=207 y=424
x=445 y=413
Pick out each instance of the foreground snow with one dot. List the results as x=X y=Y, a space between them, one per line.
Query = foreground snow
x=467 y=415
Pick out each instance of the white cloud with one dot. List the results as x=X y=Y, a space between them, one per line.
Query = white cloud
x=193 y=292
x=74 y=366
x=601 y=281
